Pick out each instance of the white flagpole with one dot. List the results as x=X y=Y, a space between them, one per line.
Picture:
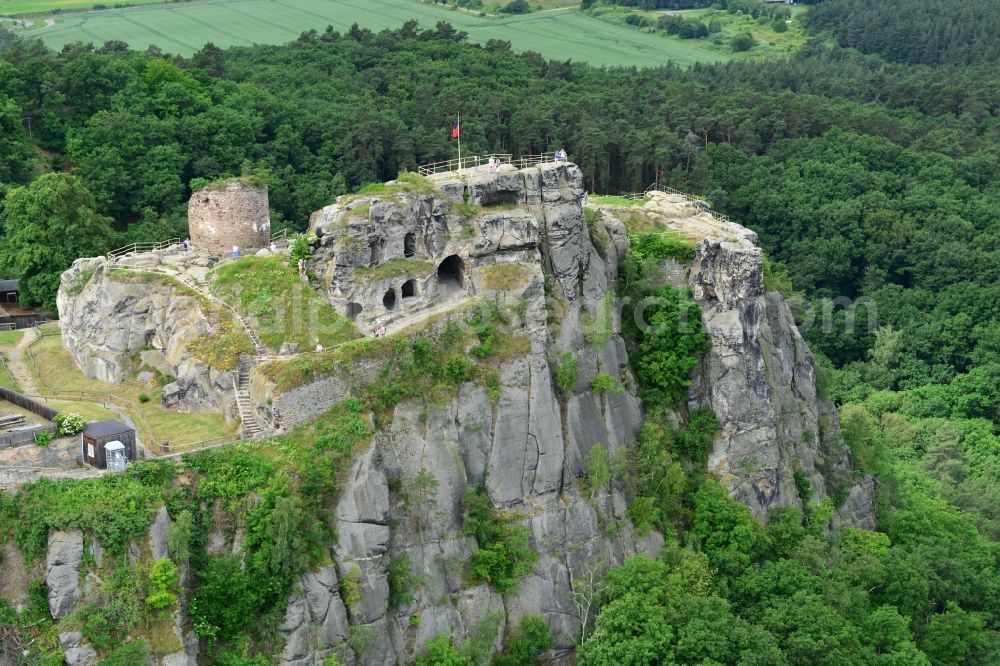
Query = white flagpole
x=459 y=140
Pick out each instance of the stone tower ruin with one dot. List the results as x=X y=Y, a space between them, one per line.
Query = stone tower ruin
x=232 y=212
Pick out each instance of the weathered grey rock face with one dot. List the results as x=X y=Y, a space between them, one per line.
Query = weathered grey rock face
x=526 y=448
x=62 y=571
x=112 y=324
x=760 y=380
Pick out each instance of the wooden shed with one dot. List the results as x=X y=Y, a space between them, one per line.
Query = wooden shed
x=95 y=439
x=9 y=291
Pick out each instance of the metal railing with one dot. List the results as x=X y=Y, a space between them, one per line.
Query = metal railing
x=136 y=248
x=528 y=161
x=478 y=161
x=280 y=235
x=468 y=162
x=167 y=450
x=701 y=205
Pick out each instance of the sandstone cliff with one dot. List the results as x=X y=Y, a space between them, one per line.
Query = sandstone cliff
x=414 y=257
x=120 y=316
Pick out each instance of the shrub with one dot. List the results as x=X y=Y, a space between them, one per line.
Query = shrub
x=660 y=245
x=301 y=249
x=143 y=398
x=597 y=469
x=227 y=600
x=163 y=580
x=604 y=383
x=43 y=438
x=567 y=370
x=743 y=42
x=458 y=369
x=504 y=551
x=441 y=652
x=669 y=347
x=69 y=424
x=530 y=640
x=401 y=580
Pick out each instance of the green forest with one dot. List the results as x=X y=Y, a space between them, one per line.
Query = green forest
x=869 y=165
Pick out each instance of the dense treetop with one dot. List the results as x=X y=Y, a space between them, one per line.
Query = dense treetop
x=945 y=32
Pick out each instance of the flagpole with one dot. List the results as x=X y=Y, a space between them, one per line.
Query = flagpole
x=459 y=140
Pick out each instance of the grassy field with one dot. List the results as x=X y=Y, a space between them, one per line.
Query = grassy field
x=182 y=28
x=8 y=340
x=770 y=43
x=54 y=367
x=268 y=292
x=19 y=7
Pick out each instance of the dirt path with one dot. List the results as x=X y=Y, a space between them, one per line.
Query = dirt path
x=17 y=365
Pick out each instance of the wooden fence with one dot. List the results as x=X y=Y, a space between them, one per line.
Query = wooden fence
x=9 y=440
x=17 y=322
x=24 y=402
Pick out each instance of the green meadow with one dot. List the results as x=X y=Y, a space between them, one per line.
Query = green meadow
x=182 y=28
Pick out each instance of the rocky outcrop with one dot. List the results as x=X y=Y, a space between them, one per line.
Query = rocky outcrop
x=415 y=259
x=62 y=571
x=525 y=447
x=760 y=380
x=117 y=317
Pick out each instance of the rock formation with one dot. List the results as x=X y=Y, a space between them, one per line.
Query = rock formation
x=62 y=571
x=418 y=255
x=119 y=316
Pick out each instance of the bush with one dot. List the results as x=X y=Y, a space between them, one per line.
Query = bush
x=743 y=42
x=69 y=424
x=531 y=639
x=43 y=438
x=163 y=580
x=401 y=581
x=144 y=398
x=458 y=369
x=605 y=383
x=504 y=551
x=567 y=370
x=441 y=652
x=669 y=347
x=301 y=249
x=516 y=7
x=227 y=600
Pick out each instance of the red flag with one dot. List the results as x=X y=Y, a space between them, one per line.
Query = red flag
x=454 y=130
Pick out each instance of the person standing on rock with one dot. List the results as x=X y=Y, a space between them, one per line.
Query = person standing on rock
x=186 y=244
x=236 y=252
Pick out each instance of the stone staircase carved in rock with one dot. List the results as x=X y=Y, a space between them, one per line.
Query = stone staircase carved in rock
x=252 y=426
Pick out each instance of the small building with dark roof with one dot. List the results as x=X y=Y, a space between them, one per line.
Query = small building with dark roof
x=9 y=291
x=95 y=438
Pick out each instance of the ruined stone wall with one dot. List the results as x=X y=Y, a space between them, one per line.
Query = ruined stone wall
x=236 y=213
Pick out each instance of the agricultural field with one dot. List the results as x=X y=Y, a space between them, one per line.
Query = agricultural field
x=19 y=7
x=182 y=28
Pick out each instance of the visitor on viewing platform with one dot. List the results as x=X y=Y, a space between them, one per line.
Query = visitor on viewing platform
x=186 y=244
x=236 y=252
x=559 y=155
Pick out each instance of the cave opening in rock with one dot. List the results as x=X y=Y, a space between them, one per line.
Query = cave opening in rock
x=389 y=300
x=377 y=245
x=451 y=272
x=409 y=289
x=410 y=245
x=500 y=198
x=353 y=310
